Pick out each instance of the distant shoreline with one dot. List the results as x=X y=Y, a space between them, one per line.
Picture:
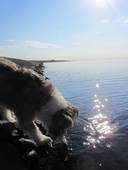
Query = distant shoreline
x=47 y=61
x=31 y=63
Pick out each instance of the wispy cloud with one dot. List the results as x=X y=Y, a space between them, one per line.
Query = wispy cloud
x=75 y=44
x=27 y=44
x=11 y=40
x=105 y=21
x=126 y=21
x=120 y=20
x=38 y=44
x=123 y=20
x=98 y=33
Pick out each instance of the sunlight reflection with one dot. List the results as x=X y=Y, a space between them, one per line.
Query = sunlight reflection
x=99 y=127
x=97 y=85
x=106 y=100
x=95 y=95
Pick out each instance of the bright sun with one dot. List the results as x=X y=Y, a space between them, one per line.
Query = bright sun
x=104 y=3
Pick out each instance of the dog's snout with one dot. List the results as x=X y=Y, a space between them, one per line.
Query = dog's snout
x=76 y=112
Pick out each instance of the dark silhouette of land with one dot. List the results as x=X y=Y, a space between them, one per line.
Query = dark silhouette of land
x=47 y=61
x=31 y=63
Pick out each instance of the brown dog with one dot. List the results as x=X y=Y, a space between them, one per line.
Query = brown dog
x=32 y=97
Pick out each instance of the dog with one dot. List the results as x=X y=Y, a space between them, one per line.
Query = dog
x=33 y=97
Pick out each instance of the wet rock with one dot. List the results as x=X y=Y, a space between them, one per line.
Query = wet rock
x=6 y=129
x=32 y=160
x=23 y=153
x=10 y=158
x=53 y=158
x=27 y=145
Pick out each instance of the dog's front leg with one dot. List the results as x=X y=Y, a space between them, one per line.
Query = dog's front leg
x=7 y=114
x=34 y=133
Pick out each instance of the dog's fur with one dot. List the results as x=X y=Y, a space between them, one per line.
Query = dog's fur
x=33 y=97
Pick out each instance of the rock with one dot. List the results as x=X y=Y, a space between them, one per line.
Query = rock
x=6 y=129
x=19 y=152
x=10 y=158
x=27 y=145
x=32 y=160
x=61 y=150
x=53 y=158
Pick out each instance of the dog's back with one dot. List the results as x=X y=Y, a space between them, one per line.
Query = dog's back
x=7 y=71
x=24 y=92
x=20 y=87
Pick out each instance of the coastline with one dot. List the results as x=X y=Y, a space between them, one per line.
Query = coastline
x=31 y=63
x=47 y=61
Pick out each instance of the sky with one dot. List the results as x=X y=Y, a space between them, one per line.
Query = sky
x=64 y=29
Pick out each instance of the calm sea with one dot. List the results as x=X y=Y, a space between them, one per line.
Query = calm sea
x=100 y=89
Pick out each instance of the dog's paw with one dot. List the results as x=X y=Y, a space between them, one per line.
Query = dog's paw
x=47 y=142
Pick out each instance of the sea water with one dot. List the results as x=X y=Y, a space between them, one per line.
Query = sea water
x=100 y=90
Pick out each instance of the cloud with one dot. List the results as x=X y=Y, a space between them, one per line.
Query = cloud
x=98 y=32
x=105 y=21
x=38 y=44
x=120 y=20
x=75 y=44
x=27 y=44
x=11 y=40
x=123 y=20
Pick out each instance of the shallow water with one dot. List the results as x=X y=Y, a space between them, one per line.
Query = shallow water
x=99 y=89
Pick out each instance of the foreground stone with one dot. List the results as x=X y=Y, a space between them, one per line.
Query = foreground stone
x=19 y=152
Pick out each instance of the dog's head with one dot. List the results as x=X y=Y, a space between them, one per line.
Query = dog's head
x=57 y=114
x=62 y=120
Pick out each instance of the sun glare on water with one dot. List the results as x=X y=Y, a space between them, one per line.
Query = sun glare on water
x=99 y=127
